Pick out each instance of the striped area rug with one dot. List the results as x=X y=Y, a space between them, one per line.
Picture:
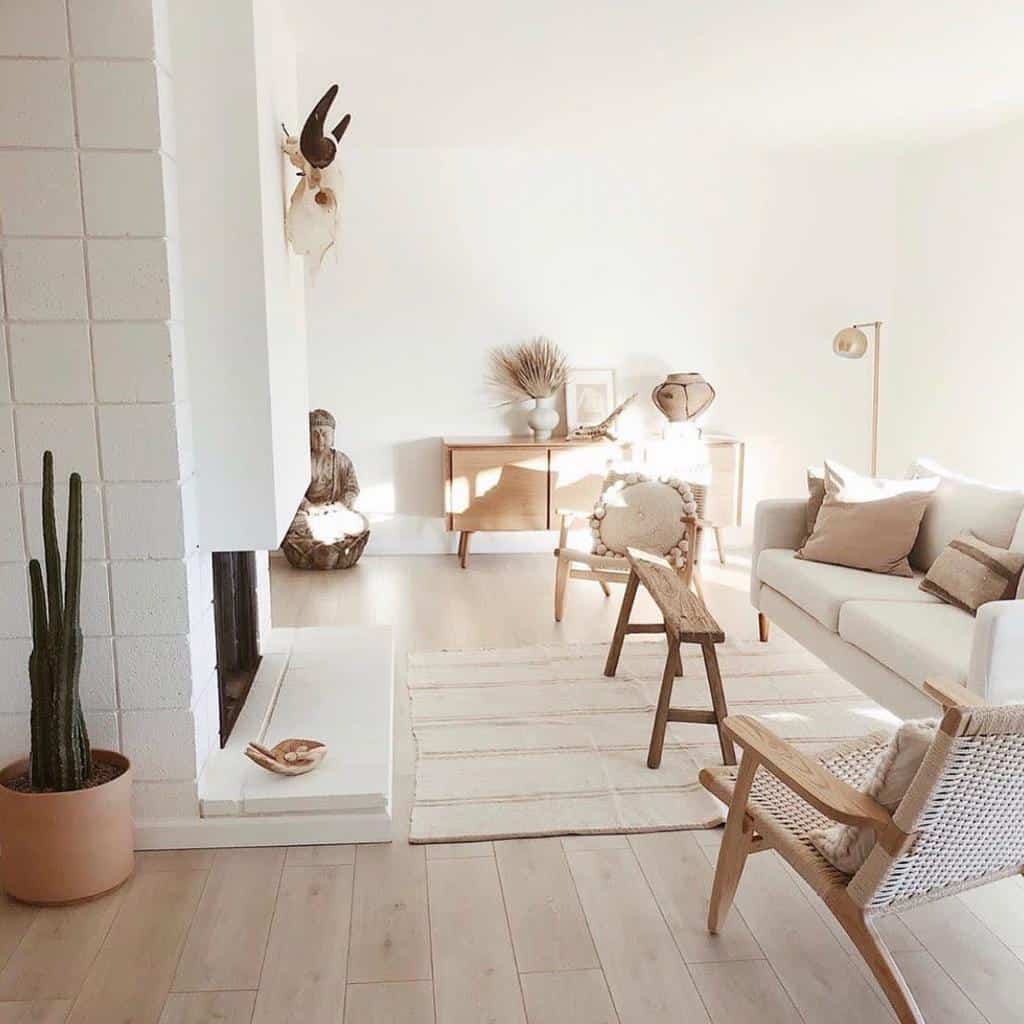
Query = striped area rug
x=535 y=741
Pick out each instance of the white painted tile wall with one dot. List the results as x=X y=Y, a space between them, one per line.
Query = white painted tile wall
x=92 y=367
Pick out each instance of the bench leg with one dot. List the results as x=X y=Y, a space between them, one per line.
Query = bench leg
x=612 y=664
x=668 y=678
x=676 y=653
x=718 y=701
x=464 y=548
x=762 y=627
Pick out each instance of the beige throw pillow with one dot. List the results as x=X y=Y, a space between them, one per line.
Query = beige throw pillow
x=867 y=523
x=847 y=846
x=969 y=573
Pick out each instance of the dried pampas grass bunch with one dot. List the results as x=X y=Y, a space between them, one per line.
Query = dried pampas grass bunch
x=533 y=369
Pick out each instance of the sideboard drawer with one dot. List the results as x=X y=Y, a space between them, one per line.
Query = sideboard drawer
x=725 y=497
x=577 y=477
x=499 y=489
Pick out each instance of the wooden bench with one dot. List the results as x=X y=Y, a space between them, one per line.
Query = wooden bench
x=686 y=620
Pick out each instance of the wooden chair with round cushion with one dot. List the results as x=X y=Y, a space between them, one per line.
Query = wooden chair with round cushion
x=659 y=515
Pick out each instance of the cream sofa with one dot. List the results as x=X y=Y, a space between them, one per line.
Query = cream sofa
x=882 y=633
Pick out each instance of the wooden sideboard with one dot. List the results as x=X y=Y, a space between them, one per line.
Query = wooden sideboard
x=517 y=483
x=725 y=495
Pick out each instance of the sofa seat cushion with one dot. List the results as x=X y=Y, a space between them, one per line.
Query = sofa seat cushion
x=821 y=589
x=916 y=641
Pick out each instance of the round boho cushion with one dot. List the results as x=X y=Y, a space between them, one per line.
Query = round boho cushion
x=637 y=511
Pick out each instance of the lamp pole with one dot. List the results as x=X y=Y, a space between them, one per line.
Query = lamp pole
x=851 y=343
x=877 y=325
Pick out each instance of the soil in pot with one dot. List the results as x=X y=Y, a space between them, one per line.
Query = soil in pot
x=102 y=772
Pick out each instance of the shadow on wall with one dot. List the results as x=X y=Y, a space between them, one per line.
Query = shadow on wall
x=418 y=478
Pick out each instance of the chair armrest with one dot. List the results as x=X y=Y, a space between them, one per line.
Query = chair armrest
x=953 y=695
x=572 y=513
x=996 y=670
x=593 y=561
x=778 y=523
x=807 y=778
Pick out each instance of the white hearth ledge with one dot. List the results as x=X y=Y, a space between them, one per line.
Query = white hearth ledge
x=331 y=684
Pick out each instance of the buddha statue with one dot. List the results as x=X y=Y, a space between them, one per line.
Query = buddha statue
x=327 y=532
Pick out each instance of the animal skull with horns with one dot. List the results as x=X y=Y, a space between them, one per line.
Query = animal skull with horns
x=312 y=219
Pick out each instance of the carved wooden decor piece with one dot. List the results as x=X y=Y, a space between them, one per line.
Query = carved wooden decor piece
x=327 y=532
x=312 y=219
x=606 y=429
x=289 y=757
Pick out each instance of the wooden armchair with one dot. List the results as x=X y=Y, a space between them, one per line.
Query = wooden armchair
x=576 y=564
x=960 y=825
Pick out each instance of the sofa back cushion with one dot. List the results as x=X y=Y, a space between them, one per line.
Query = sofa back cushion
x=959 y=503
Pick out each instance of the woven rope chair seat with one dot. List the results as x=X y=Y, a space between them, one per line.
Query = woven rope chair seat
x=785 y=819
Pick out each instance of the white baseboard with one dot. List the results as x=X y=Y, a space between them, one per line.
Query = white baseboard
x=264 y=830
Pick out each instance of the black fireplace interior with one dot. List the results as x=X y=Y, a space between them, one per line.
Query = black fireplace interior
x=236 y=618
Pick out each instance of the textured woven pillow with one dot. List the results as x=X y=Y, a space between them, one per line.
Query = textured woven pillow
x=867 y=523
x=969 y=573
x=637 y=511
x=847 y=846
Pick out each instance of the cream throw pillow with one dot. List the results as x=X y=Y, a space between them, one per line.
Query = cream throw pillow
x=847 y=846
x=867 y=523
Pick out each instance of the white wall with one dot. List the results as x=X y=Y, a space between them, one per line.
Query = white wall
x=739 y=263
x=92 y=366
x=955 y=362
x=244 y=309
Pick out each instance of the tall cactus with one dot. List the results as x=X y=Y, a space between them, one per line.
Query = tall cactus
x=61 y=756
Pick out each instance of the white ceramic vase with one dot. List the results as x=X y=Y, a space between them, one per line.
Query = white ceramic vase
x=543 y=418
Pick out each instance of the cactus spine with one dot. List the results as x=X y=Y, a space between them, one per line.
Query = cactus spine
x=61 y=758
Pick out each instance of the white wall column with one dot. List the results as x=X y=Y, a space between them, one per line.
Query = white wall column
x=92 y=366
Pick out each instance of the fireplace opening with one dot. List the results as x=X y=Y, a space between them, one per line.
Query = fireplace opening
x=236 y=621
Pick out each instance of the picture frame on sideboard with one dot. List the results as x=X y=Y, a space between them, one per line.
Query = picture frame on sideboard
x=589 y=397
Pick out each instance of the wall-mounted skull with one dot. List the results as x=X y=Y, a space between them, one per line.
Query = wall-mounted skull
x=312 y=220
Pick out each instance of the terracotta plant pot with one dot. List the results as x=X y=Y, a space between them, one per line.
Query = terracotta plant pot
x=66 y=847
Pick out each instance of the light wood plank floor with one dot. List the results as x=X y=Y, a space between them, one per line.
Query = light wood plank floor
x=585 y=930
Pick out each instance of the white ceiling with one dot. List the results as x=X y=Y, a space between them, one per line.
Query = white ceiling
x=610 y=72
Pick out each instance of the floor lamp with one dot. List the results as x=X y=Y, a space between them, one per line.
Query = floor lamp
x=852 y=343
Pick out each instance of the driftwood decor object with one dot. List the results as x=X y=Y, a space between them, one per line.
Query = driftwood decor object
x=686 y=620
x=289 y=757
x=327 y=532
x=312 y=219
x=607 y=429
x=959 y=825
